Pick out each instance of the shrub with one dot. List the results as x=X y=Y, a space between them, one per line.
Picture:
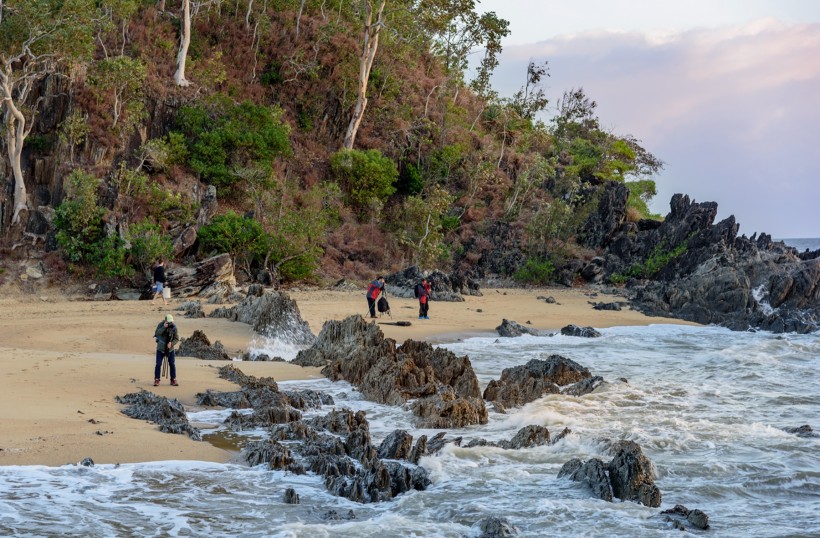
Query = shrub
x=223 y=136
x=367 y=178
x=241 y=237
x=78 y=219
x=535 y=271
x=148 y=243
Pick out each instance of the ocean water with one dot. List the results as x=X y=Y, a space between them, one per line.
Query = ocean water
x=803 y=243
x=707 y=405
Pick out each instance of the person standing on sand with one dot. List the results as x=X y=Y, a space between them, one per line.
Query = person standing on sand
x=159 y=282
x=167 y=337
x=423 y=292
x=373 y=290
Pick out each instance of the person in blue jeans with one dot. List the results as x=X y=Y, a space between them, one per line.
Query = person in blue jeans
x=167 y=337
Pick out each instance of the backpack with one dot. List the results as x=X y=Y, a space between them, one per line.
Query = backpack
x=416 y=290
x=382 y=305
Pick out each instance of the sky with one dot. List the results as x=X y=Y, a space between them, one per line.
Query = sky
x=725 y=92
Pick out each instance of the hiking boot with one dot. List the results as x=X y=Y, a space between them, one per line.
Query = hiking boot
x=174 y=383
x=156 y=382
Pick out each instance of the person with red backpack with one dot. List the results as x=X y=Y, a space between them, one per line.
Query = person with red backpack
x=423 y=292
x=373 y=290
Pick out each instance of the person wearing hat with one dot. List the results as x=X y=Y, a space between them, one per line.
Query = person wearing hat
x=373 y=290
x=167 y=337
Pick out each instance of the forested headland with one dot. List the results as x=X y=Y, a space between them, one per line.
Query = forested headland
x=310 y=139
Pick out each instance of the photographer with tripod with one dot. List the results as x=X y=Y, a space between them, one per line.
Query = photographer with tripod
x=167 y=337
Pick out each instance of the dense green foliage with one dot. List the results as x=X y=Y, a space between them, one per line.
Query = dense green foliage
x=241 y=237
x=537 y=272
x=367 y=178
x=224 y=137
x=79 y=218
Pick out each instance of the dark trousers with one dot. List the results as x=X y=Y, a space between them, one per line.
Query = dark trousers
x=371 y=304
x=171 y=363
x=423 y=308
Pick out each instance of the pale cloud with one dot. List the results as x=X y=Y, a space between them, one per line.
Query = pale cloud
x=733 y=110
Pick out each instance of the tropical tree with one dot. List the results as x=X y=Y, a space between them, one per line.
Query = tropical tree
x=37 y=39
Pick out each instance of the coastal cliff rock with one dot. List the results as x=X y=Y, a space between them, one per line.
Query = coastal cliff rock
x=523 y=384
x=208 y=278
x=443 y=386
x=690 y=268
x=272 y=314
x=444 y=287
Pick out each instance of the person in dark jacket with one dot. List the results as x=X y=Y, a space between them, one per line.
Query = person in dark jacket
x=159 y=282
x=373 y=290
x=167 y=337
x=423 y=292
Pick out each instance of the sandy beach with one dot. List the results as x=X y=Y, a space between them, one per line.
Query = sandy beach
x=64 y=361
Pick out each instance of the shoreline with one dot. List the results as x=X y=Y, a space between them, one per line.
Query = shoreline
x=63 y=362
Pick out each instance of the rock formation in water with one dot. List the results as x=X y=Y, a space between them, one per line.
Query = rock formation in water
x=629 y=476
x=526 y=383
x=443 y=386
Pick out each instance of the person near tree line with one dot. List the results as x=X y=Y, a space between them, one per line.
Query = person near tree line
x=159 y=282
x=423 y=292
x=373 y=290
x=167 y=337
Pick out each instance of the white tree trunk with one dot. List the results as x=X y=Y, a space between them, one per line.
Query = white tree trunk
x=369 y=45
x=184 y=42
x=15 y=137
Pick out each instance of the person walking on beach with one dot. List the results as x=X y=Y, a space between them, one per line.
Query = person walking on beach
x=423 y=292
x=167 y=337
x=159 y=282
x=373 y=290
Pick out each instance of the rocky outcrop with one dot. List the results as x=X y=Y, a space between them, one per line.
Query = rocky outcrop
x=443 y=386
x=273 y=314
x=680 y=515
x=337 y=446
x=523 y=384
x=592 y=473
x=169 y=414
x=509 y=328
x=629 y=476
x=632 y=475
x=199 y=346
x=690 y=268
x=208 y=278
x=452 y=287
x=526 y=437
x=496 y=527
x=582 y=332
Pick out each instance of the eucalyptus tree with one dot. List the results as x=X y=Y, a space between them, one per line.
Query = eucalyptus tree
x=184 y=43
x=370 y=44
x=38 y=39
